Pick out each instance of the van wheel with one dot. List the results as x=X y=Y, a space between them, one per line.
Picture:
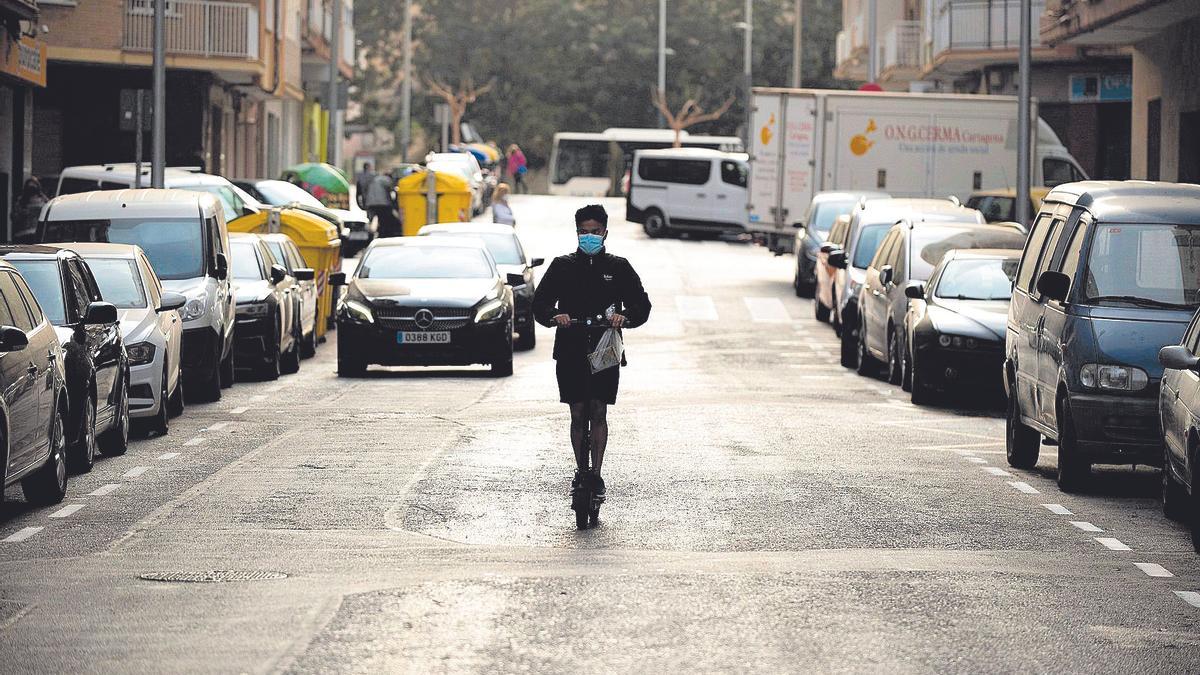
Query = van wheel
x=656 y=224
x=308 y=346
x=895 y=364
x=49 y=484
x=865 y=364
x=206 y=387
x=82 y=454
x=1073 y=469
x=849 y=349
x=228 y=371
x=1174 y=495
x=1021 y=444
x=291 y=360
x=906 y=378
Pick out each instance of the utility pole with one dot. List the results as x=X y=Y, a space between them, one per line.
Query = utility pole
x=406 y=85
x=331 y=135
x=662 y=55
x=1024 y=122
x=798 y=45
x=748 y=56
x=872 y=42
x=158 y=142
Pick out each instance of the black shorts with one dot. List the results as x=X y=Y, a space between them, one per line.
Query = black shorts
x=577 y=383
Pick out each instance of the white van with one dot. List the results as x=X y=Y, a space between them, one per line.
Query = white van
x=234 y=201
x=183 y=234
x=693 y=189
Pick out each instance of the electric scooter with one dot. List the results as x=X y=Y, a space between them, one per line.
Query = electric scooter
x=585 y=502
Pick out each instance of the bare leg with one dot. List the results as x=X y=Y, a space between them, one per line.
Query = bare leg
x=599 y=419
x=579 y=420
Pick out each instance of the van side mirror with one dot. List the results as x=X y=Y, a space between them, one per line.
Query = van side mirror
x=304 y=274
x=278 y=273
x=221 y=266
x=337 y=279
x=1054 y=285
x=100 y=313
x=514 y=279
x=537 y=262
x=915 y=290
x=837 y=260
x=171 y=301
x=12 y=339
x=1178 y=357
x=885 y=275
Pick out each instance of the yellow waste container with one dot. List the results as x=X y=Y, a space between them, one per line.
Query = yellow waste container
x=318 y=240
x=451 y=199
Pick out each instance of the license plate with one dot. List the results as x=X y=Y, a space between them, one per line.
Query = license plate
x=357 y=235
x=421 y=338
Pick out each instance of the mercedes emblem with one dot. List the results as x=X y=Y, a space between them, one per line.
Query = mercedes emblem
x=424 y=319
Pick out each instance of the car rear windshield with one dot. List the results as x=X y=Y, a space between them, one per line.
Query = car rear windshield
x=120 y=282
x=977 y=279
x=425 y=262
x=281 y=192
x=824 y=215
x=1144 y=266
x=932 y=243
x=175 y=246
x=45 y=281
x=503 y=247
x=869 y=239
x=245 y=263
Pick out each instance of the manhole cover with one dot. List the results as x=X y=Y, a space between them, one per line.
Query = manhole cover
x=214 y=576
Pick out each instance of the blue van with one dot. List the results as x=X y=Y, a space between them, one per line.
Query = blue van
x=1109 y=275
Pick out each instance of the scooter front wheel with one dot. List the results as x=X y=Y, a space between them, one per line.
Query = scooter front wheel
x=581 y=519
x=594 y=517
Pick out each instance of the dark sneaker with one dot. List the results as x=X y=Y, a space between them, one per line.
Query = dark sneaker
x=598 y=487
x=576 y=482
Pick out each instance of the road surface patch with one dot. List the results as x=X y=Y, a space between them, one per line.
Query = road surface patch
x=22 y=534
x=766 y=310
x=136 y=471
x=696 y=308
x=168 y=455
x=238 y=410
x=194 y=441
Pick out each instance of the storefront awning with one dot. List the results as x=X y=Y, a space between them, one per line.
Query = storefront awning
x=24 y=60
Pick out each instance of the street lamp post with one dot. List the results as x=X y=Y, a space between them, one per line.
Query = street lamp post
x=158 y=124
x=872 y=43
x=406 y=85
x=331 y=135
x=748 y=56
x=798 y=45
x=662 y=55
x=1024 y=122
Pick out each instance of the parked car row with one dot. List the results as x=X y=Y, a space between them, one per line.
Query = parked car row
x=137 y=298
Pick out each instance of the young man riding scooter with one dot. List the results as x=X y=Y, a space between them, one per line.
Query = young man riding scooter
x=587 y=284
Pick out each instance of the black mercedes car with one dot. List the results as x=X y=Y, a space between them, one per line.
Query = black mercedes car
x=955 y=323
x=97 y=367
x=423 y=301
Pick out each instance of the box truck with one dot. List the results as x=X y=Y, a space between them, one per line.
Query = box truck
x=805 y=141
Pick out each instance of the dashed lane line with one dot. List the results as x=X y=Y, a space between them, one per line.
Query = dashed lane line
x=955 y=446
x=1113 y=544
x=1059 y=509
x=66 y=511
x=696 y=308
x=1190 y=597
x=238 y=410
x=136 y=471
x=194 y=441
x=104 y=490
x=1153 y=569
x=275 y=388
x=258 y=397
x=168 y=455
x=1088 y=527
x=27 y=532
x=767 y=310
x=217 y=426
x=996 y=471
x=976 y=460
x=1022 y=486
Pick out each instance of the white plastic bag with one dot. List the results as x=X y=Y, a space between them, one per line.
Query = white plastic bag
x=609 y=351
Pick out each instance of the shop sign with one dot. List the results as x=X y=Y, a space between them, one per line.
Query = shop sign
x=24 y=60
x=1101 y=88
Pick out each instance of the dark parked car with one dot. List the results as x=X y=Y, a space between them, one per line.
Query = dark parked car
x=354 y=226
x=422 y=301
x=506 y=249
x=267 y=336
x=814 y=229
x=33 y=400
x=1179 y=412
x=954 y=327
x=97 y=368
x=305 y=295
x=1107 y=278
x=908 y=253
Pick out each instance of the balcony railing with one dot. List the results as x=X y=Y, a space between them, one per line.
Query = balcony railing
x=902 y=45
x=195 y=28
x=981 y=24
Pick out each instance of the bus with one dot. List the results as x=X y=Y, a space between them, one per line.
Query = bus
x=595 y=164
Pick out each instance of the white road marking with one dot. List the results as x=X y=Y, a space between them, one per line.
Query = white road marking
x=955 y=445
x=136 y=471
x=996 y=471
x=785 y=343
x=977 y=460
x=1190 y=597
x=195 y=441
x=696 y=308
x=275 y=388
x=238 y=411
x=22 y=534
x=1022 y=486
x=168 y=455
x=767 y=310
x=1153 y=569
x=66 y=511
x=216 y=426
x=1113 y=544
x=1087 y=527
x=104 y=490
x=823 y=353
x=1059 y=509
x=258 y=397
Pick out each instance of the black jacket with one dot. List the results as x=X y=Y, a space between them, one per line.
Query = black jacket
x=582 y=286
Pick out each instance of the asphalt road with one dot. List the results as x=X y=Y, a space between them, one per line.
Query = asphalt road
x=768 y=511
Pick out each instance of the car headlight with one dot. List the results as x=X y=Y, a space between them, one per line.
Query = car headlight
x=140 y=353
x=489 y=310
x=253 y=309
x=1114 y=378
x=194 y=309
x=957 y=341
x=358 y=311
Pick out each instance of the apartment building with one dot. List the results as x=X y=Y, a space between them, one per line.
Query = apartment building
x=970 y=46
x=242 y=82
x=22 y=71
x=1163 y=37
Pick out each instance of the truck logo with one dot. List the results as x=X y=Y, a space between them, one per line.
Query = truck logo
x=859 y=143
x=765 y=134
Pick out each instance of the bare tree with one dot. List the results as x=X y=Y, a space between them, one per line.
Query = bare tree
x=689 y=114
x=458 y=99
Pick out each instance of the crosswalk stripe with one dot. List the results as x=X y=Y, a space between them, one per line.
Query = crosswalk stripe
x=767 y=310
x=696 y=308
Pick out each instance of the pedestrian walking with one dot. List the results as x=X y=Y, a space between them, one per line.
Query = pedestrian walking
x=501 y=212
x=27 y=210
x=517 y=168
x=362 y=183
x=379 y=205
